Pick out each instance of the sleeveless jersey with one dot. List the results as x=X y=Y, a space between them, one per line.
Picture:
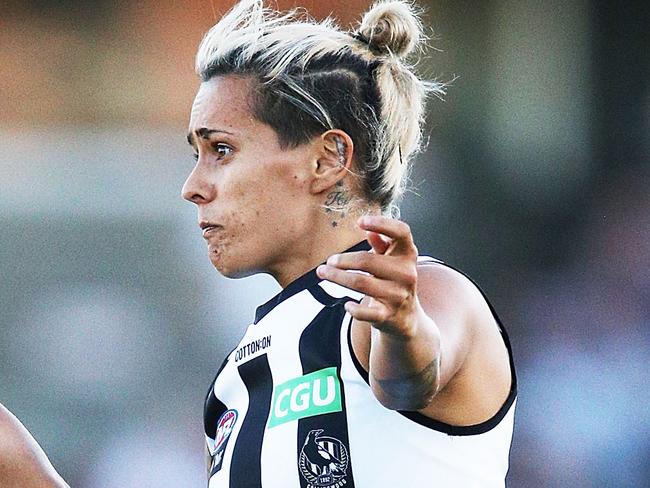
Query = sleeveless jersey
x=291 y=407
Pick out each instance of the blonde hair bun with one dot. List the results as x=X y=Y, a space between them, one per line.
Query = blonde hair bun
x=391 y=27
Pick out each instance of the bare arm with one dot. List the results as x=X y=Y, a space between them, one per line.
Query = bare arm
x=425 y=335
x=23 y=464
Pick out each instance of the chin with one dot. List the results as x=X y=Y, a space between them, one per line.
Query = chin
x=230 y=268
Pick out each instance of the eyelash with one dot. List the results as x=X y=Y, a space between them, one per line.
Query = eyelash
x=221 y=146
x=216 y=148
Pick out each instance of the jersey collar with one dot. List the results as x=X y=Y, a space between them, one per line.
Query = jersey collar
x=310 y=278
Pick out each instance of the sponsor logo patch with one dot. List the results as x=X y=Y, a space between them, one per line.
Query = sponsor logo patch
x=315 y=393
x=225 y=426
x=247 y=351
x=323 y=461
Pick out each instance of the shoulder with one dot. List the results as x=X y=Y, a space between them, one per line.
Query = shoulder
x=477 y=375
x=447 y=291
x=444 y=289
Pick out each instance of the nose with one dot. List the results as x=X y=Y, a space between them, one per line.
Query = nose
x=197 y=189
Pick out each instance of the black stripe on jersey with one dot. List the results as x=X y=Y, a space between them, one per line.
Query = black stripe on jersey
x=321 y=296
x=245 y=468
x=213 y=407
x=320 y=347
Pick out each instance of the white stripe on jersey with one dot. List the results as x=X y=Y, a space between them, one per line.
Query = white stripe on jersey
x=337 y=291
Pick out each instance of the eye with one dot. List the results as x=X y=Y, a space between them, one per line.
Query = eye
x=222 y=150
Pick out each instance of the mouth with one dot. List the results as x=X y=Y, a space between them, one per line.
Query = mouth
x=208 y=227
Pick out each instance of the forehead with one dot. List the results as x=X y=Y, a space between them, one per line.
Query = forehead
x=223 y=102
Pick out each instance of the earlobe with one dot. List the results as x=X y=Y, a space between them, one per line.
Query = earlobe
x=334 y=159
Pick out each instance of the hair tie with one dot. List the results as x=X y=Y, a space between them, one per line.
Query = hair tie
x=361 y=38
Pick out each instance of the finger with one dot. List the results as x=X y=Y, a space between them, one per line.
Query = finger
x=379 y=244
x=376 y=313
x=394 y=268
x=399 y=232
x=369 y=285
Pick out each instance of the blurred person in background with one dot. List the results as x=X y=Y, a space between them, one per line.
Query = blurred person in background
x=592 y=317
x=373 y=366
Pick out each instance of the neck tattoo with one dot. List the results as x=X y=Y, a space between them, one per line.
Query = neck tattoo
x=337 y=201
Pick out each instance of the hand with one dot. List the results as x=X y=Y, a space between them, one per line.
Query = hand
x=22 y=461
x=388 y=279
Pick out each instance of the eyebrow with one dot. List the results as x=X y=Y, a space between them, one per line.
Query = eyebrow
x=205 y=133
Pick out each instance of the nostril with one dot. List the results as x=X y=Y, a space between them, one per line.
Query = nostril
x=191 y=197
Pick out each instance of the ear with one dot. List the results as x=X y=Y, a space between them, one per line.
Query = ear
x=334 y=151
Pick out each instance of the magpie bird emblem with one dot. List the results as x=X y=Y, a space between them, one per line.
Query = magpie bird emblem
x=323 y=460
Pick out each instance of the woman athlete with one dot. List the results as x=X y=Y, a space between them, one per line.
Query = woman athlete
x=373 y=367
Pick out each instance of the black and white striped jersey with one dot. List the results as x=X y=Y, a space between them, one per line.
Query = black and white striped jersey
x=291 y=408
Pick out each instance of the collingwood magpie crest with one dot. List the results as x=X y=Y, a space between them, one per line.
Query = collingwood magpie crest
x=323 y=461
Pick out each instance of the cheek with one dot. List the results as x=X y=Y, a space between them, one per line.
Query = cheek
x=272 y=202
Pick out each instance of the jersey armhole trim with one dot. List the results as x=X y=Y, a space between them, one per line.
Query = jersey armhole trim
x=454 y=430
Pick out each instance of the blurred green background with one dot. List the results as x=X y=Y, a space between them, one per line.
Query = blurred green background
x=535 y=182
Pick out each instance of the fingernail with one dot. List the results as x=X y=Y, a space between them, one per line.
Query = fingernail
x=320 y=271
x=333 y=259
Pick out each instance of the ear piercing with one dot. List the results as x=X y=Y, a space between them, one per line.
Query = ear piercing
x=340 y=147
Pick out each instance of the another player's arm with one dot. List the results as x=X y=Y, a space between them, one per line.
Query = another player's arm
x=425 y=326
x=208 y=461
x=23 y=464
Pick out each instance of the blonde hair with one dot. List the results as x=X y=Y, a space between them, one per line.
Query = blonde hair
x=313 y=76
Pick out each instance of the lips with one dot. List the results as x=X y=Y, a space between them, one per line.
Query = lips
x=208 y=227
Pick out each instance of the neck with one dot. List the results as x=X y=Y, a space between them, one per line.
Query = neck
x=335 y=232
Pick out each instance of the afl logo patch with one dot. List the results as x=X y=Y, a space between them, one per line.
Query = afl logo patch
x=323 y=461
x=225 y=426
